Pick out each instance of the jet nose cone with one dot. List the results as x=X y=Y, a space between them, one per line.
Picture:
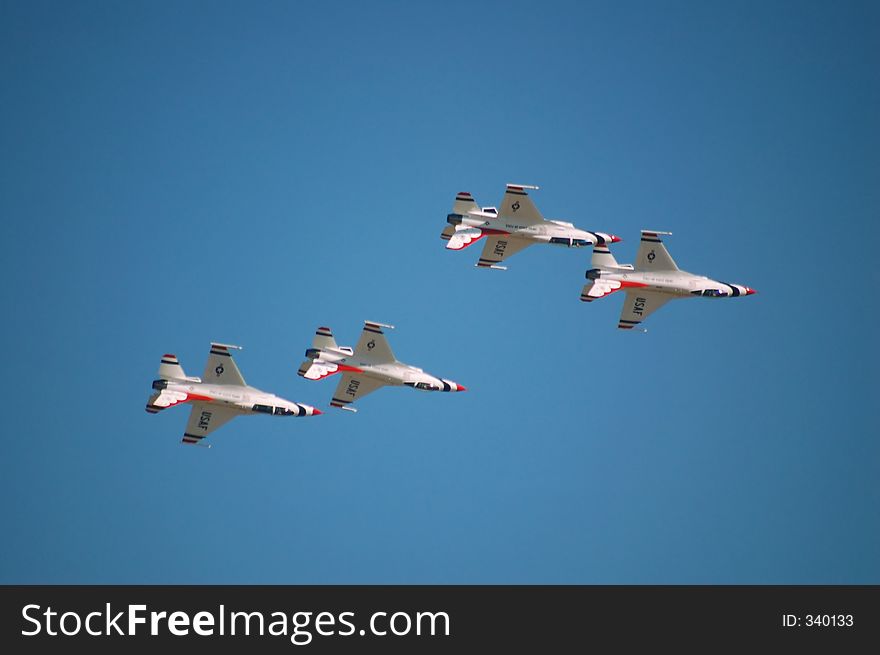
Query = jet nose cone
x=449 y=385
x=750 y=291
x=615 y=238
x=316 y=411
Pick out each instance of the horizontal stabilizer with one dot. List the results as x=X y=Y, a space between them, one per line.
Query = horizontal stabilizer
x=463 y=237
x=595 y=289
x=318 y=369
x=151 y=406
x=167 y=398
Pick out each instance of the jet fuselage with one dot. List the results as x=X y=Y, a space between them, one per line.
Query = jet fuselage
x=549 y=231
x=390 y=373
x=679 y=284
x=245 y=400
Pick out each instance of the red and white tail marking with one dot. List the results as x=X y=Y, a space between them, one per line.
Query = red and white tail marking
x=170 y=397
x=321 y=369
x=600 y=288
x=464 y=237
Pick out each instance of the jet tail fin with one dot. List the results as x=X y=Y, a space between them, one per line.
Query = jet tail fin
x=464 y=203
x=324 y=339
x=170 y=368
x=602 y=257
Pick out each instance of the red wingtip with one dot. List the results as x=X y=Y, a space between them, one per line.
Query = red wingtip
x=750 y=291
x=615 y=238
x=316 y=411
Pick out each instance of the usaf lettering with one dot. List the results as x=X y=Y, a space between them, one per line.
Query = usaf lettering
x=204 y=419
x=500 y=247
x=353 y=387
x=639 y=306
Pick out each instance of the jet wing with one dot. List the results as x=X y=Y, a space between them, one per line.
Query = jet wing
x=353 y=386
x=652 y=255
x=373 y=345
x=517 y=205
x=638 y=305
x=498 y=248
x=221 y=368
x=204 y=419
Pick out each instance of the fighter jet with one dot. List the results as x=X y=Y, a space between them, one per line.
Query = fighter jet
x=651 y=282
x=517 y=225
x=368 y=367
x=217 y=397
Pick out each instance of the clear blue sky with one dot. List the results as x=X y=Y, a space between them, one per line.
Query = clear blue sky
x=176 y=173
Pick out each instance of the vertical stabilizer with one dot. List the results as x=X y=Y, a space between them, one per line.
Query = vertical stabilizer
x=324 y=339
x=170 y=368
x=602 y=257
x=464 y=203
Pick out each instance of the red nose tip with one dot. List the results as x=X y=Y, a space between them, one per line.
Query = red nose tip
x=461 y=387
x=615 y=238
x=316 y=411
x=750 y=291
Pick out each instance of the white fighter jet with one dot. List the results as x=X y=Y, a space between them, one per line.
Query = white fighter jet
x=515 y=226
x=368 y=367
x=651 y=282
x=217 y=397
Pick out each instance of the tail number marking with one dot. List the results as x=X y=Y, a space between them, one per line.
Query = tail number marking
x=353 y=387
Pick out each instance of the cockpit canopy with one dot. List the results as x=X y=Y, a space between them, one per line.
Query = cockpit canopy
x=711 y=293
x=277 y=411
x=570 y=242
x=423 y=386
